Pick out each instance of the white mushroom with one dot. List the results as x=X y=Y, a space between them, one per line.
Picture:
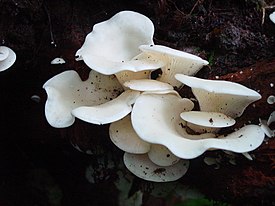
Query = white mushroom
x=113 y=45
x=175 y=62
x=7 y=58
x=247 y=156
x=141 y=166
x=271 y=118
x=272 y=17
x=266 y=123
x=224 y=97
x=162 y=115
x=58 y=60
x=108 y=112
x=206 y=121
x=124 y=137
x=66 y=91
x=271 y=99
x=270 y=133
x=148 y=85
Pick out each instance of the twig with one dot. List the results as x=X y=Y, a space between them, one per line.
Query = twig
x=195 y=5
x=176 y=7
x=50 y=25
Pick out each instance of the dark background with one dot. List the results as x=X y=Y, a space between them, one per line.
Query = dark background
x=39 y=166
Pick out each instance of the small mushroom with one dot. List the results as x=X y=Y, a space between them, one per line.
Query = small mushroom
x=141 y=166
x=206 y=121
x=124 y=137
x=7 y=58
x=35 y=98
x=272 y=17
x=148 y=85
x=162 y=112
x=175 y=61
x=247 y=156
x=58 y=60
x=220 y=96
x=271 y=118
x=266 y=123
x=108 y=112
x=269 y=132
x=271 y=99
x=66 y=91
x=113 y=45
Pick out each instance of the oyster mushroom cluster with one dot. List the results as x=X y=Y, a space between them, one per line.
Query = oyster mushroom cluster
x=157 y=128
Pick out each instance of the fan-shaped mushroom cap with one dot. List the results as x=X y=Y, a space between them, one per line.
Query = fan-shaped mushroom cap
x=225 y=97
x=162 y=112
x=141 y=166
x=7 y=58
x=272 y=17
x=112 y=45
x=208 y=119
x=58 y=60
x=161 y=156
x=125 y=138
x=206 y=122
x=66 y=91
x=175 y=62
x=108 y=112
x=148 y=85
